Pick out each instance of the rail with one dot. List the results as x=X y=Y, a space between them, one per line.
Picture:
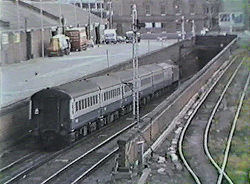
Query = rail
x=206 y=134
x=180 y=147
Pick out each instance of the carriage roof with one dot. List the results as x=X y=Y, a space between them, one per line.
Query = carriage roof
x=78 y=87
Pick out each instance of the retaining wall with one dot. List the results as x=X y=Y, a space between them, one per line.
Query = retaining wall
x=158 y=120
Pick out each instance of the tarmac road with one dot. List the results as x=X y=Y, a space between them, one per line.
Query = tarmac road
x=19 y=81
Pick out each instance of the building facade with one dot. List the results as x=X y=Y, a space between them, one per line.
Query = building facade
x=21 y=26
x=163 y=16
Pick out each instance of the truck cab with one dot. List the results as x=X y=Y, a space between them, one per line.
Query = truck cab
x=110 y=36
x=59 y=45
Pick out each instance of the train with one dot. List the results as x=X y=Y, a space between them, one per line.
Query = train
x=80 y=107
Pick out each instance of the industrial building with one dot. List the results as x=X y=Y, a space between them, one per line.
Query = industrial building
x=21 y=23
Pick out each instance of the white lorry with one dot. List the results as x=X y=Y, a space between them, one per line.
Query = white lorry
x=110 y=36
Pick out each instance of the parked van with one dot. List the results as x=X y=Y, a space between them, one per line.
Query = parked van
x=110 y=36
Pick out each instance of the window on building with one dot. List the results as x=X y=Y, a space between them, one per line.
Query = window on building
x=158 y=25
x=191 y=8
x=163 y=8
x=148 y=25
x=147 y=9
x=163 y=24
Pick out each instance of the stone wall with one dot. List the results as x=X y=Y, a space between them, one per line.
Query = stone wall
x=161 y=117
x=14 y=52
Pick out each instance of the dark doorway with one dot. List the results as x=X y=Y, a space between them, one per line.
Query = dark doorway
x=29 y=55
x=97 y=32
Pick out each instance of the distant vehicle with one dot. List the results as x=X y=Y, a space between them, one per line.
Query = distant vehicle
x=59 y=45
x=120 y=39
x=204 y=31
x=129 y=37
x=110 y=36
x=78 y=38
x=229 y=21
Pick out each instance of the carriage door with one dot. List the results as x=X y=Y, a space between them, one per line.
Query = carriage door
x=49 y=114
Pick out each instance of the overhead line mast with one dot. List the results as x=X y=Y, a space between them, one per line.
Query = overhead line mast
x=136 y=99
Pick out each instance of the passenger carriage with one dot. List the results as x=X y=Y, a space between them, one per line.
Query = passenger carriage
x=82 y=106
x=110 y=97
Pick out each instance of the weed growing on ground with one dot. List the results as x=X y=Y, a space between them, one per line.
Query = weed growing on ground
x=239 y=163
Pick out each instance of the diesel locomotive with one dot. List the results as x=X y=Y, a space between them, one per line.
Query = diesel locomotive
x=77 y=108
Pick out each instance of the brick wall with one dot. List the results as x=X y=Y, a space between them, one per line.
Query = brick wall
x=164 y=12
x=14 y=52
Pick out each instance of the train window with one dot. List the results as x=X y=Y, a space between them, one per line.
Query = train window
x=91 y=101
x=96 y=99
x=105 y=96
x=119 y=91
x=127 y=88
x=88 y=104
x=83 y=104
x=76 y=106
x=80 y=105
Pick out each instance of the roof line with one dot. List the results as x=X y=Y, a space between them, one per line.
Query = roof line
x=31 y=7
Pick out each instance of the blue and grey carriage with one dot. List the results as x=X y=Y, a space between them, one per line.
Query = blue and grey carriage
x=80 y=107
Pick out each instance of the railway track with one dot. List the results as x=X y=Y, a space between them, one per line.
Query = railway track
x=30 y=172
x=18 y=170
x=87 y=162
x=20 y=167
x=199 y=123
